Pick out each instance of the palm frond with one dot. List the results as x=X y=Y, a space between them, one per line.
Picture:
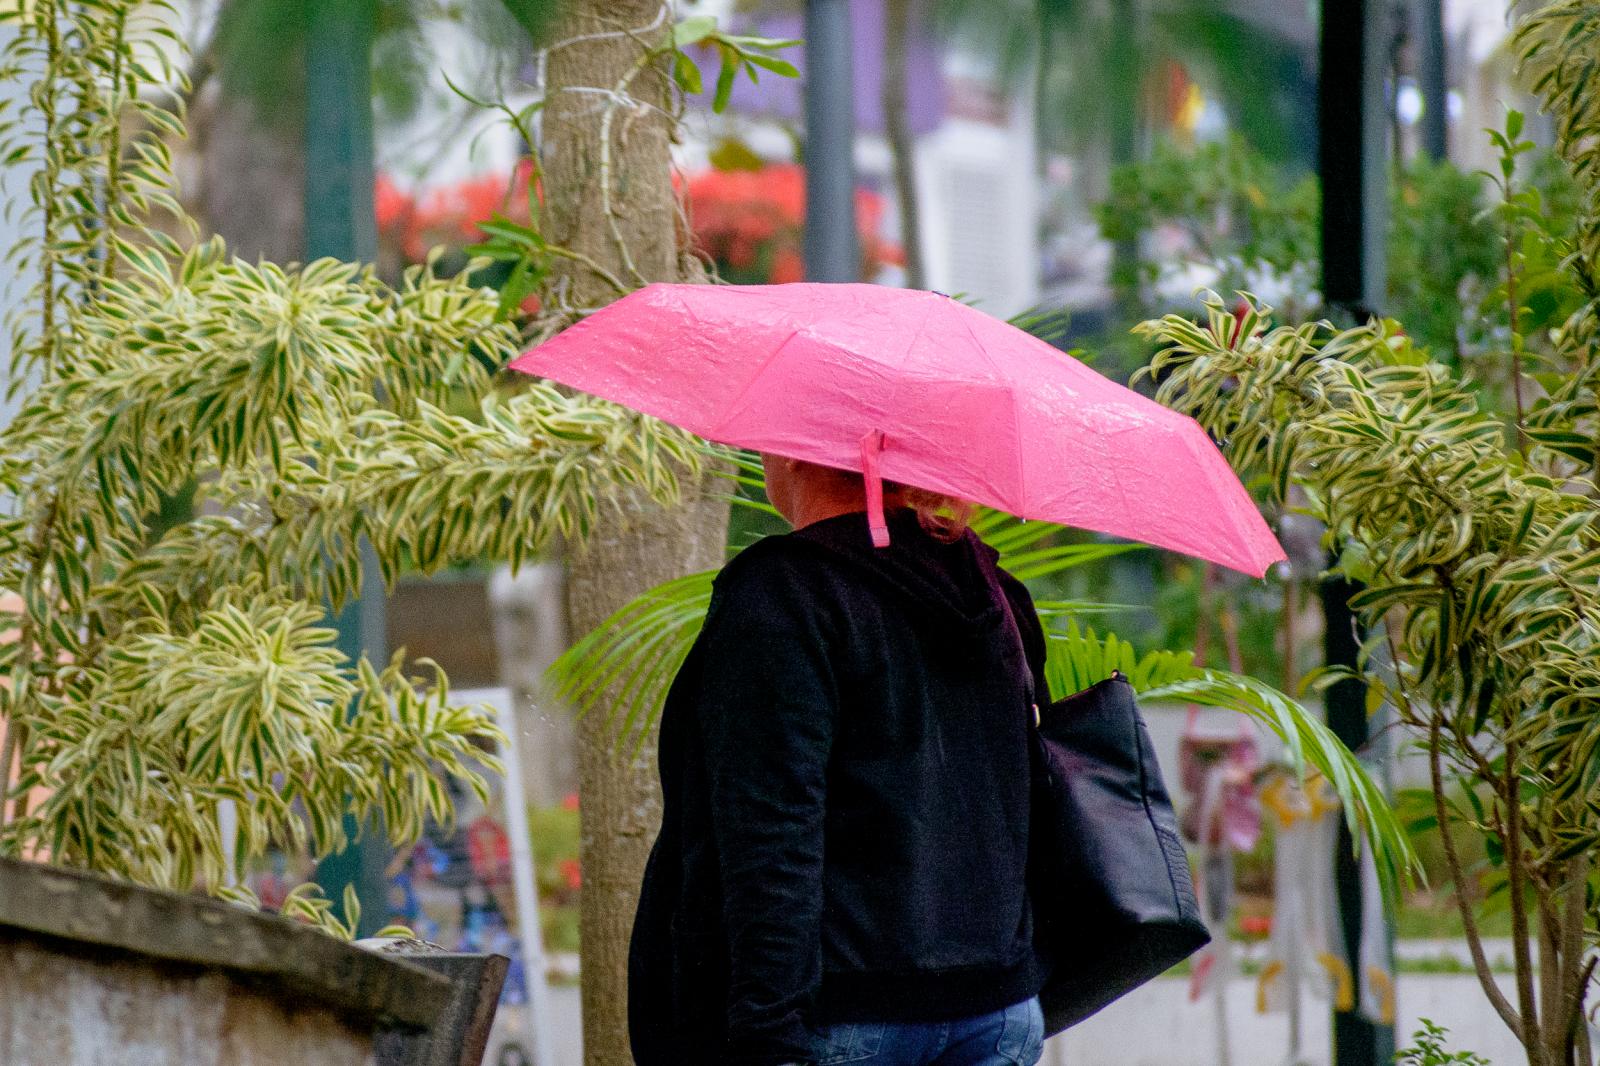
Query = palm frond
x=633 y=653
x=1079 y=658
x=628 y=661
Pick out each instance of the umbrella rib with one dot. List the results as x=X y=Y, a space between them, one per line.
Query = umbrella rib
x=983 y=350
x=905 y=356
x=735 y=405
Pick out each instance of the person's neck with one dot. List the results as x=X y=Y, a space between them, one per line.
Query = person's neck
x=813 y=511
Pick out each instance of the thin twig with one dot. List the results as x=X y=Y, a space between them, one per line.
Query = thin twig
x=1469 y=921
x=606 y=35
x=606 y=120
x=1516 y=337
x=113 y=186
x=611 y=279
x=1510 y=797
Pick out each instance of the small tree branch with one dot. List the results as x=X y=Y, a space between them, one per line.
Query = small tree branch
x=1517 y=876
x=578 y=257
x=607 y=35
x=1469 y=921
x=618 y=95
x=1575 y=897
x=1552 y=989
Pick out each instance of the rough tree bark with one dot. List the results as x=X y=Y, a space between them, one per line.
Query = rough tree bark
x=605 y=144
x=251 y=176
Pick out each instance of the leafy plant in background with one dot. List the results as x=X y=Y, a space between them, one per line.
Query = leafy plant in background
x=1428 y=1049
x=161 y=671
x=1238 y=213
x=1251 y=224
x=639 y=649
x=1478 y=544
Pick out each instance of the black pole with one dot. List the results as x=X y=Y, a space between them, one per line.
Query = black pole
x=1432 y=80
x=1353 y=164
x=1352 y=154
x=340 y=222
x=1357 y=1041
x=830 y=236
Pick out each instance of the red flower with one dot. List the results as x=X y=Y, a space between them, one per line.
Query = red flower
x=787 y=266
x=746 y=218
x=570 y=873
x=750 y=221
x=389 y=203
x=570 y=801
x=1255 y=924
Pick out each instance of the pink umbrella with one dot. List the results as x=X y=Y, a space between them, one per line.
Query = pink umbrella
x=917 y=388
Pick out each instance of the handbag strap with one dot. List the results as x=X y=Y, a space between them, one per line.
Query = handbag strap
x=1022 y=649
x=1022 y=646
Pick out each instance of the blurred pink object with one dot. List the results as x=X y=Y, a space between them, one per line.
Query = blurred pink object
x=931 y=392
x=1218 y=772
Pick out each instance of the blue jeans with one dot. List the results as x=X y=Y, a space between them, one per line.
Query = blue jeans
x=1013 y=1036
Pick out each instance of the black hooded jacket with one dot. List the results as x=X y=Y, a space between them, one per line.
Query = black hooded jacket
x=845 y=768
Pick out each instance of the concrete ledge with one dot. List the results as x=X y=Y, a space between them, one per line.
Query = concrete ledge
x=88 y=914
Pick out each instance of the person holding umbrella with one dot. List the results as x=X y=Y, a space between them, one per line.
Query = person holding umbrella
x=841 y=874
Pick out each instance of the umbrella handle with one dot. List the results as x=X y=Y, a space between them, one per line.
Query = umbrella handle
x=871 y=448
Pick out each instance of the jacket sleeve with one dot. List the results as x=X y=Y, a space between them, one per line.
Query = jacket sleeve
x=767 y=713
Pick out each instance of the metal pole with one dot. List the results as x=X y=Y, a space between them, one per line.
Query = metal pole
x=535 y=966
x=1357 y=1041
x=1353 y=164
x=1352 y=154
x=1432 y=79
x=340 y=222
x=830 y=237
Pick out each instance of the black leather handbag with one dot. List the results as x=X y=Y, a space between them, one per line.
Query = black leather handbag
x=1114 y=905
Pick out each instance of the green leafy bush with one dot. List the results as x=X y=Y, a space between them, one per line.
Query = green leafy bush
x=165 y=664
x=1476 y=535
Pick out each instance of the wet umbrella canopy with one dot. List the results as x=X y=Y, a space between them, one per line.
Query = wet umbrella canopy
x=917 y=388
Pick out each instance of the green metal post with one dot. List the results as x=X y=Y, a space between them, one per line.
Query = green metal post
x=340 y=222
x=831 y=250
x=1432 y=78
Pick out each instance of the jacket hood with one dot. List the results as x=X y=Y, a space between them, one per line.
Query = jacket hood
x=955 y=583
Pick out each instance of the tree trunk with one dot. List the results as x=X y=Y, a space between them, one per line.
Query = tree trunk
x=621 y=798
x=605 y=145
x=902 y=144
x=251 y=178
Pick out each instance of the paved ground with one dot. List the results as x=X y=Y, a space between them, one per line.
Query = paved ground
x=1159 y=1026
